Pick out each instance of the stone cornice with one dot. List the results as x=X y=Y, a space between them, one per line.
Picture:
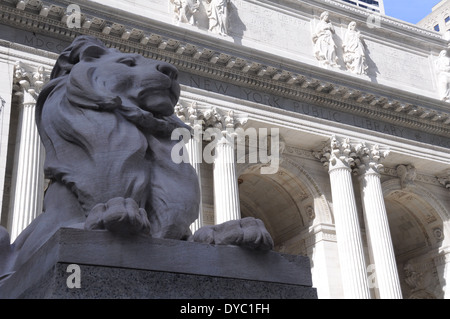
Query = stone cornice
x=425 y=114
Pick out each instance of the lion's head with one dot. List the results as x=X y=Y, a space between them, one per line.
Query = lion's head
x=97 y=77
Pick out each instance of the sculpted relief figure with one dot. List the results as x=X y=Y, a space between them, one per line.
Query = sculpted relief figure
x=324 y=45
x=443 y=74
x=106 y=119
x=184 y=10
x=354 y=51
x=218 y=16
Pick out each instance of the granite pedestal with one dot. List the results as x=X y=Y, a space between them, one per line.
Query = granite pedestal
x=107 y=266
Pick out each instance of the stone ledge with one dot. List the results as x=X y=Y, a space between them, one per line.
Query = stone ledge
x=141 y=267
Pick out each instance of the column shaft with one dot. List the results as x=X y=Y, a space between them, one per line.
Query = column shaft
x=195 y=151
x=348 y=233
x=379 y=237
x=226 y=192
x=29 y=184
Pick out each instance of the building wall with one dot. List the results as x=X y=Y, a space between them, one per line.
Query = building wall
x=439 y=19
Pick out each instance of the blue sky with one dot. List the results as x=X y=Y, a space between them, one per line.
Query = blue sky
x=409 y=10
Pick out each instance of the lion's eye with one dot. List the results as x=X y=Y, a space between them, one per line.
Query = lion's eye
x=127 y=61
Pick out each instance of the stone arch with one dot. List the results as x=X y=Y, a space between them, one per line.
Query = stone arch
x=293 y=185
x=437 y=212
x=419 y=228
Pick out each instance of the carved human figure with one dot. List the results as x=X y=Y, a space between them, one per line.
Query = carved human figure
x=324 y=45
x=106 y=120
x=354 y=51
x=185 y=10
x=443 y=73
x=218 y=16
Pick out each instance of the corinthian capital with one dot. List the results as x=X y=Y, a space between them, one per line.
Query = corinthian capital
x=30 y=79
x=337 y=153
x=226 y=121
x=189 y=113
x=368 y=158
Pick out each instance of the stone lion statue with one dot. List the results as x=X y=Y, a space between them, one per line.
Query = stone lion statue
x=105 y=119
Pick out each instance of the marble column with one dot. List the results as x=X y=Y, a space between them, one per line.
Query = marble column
x=190 y=115
x=368 y=158
x=226 y=191
x=351 y=253
x=6 y=89
x=28 y=184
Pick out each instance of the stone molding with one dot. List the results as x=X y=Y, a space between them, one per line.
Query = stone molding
x=201 y=60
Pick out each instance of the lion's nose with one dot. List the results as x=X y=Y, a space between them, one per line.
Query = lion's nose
x=168 y=69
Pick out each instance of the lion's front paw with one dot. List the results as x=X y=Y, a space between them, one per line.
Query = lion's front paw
x=247 y=232
x=119 y=215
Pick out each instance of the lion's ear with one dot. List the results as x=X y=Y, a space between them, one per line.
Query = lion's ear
x=93 y=52
x=83 y=45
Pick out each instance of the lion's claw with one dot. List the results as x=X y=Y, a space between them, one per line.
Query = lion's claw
x=119 y=215
x=247 y=232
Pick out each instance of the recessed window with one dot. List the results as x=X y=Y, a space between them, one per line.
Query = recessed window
x=447 y=19
x=436 y=28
